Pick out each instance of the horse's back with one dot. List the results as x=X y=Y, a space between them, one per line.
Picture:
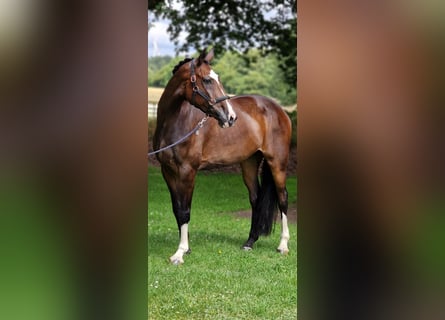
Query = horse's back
x=265 y=105
x=273 y=115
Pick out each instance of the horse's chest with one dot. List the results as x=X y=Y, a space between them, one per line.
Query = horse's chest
x=186 y=154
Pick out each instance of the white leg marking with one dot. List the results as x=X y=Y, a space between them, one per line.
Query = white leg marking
x=230 y=111
x=183 y=246
x=282 y=248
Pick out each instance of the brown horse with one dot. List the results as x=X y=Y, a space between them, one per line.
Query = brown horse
x=262 y=131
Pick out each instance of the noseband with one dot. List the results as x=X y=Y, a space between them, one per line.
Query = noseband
x=196 y=89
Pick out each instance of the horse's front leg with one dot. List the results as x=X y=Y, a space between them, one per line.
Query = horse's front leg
x=183 y=247
x=181 y=185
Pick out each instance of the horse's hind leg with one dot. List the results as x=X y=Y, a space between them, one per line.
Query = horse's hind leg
x=278 y=169
x=250 y=176
x=180 y=185
x=282 y=247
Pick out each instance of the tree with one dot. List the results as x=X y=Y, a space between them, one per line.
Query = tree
x=254 y=73
x=155 y=64
x=160 y=70
x=152 y=4
x=238 y=25
x=241 y=74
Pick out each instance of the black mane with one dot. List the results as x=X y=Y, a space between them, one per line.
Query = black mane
x=180 y=64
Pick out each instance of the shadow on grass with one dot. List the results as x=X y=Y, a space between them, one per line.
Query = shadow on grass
x=163 y=244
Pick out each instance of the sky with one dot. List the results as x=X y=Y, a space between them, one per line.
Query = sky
x=159 y=42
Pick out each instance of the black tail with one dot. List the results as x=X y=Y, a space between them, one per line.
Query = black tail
x=267 y=202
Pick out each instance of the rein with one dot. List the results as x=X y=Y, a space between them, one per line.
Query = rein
x=209 y=100
x=196 y=89
x=198 y=126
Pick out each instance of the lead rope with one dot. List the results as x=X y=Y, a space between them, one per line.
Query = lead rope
x=198 y=126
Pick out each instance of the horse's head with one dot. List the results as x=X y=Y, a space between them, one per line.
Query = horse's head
x=205 y=91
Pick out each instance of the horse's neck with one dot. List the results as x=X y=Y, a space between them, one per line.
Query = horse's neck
x=170 y=104
x=170 y=117
x=171 y=99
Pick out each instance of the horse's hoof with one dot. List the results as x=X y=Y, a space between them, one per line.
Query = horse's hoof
x=284 y=252
x=176 y=262
x=246 y=248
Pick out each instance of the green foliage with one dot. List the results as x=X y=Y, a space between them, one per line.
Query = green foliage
x=228 y=24
x=251 y=73
x=269 y=25
x=218 y=280
x=157 y=62
x=286 y=48
x=254 y=73
x=152 y=4
x=160 y=70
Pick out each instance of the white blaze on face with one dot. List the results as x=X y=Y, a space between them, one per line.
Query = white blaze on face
x=215 y=77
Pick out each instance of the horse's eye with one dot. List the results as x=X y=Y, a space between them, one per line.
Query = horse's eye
x=207 y=80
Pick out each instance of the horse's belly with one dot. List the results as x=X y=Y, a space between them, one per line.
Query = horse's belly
x=232 y=145
x=227 y=154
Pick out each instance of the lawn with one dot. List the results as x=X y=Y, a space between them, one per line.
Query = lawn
x=217 y=280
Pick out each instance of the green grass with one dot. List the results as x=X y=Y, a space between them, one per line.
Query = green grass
x=217 y=280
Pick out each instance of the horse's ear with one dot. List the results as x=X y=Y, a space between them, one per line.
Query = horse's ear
x=209 y=56
x=205 y=57
x=202 y=57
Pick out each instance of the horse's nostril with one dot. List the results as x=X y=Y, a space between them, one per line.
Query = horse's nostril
x=232 y=120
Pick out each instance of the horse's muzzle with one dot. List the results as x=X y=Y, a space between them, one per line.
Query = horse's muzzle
x=232 y=120
x=226 y=123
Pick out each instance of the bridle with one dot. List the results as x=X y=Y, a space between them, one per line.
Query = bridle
x=200 y=124
x=196 y=89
